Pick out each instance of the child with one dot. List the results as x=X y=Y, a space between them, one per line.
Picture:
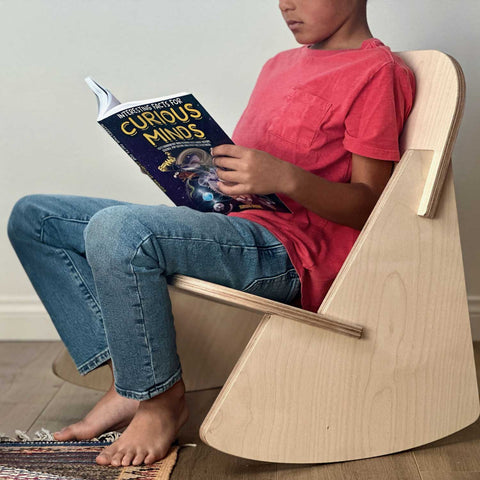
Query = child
x=321 y=129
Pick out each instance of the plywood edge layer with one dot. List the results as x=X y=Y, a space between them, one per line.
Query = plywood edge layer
x=248 y=301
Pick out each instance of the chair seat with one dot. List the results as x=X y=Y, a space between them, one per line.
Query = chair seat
x=248 y=301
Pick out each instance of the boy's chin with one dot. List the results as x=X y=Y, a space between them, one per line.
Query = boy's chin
x=308 y=40
x=303 y=41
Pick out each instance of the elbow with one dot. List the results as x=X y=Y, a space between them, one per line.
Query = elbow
x=365 y=205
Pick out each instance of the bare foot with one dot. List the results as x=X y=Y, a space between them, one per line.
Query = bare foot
x=152 y=431
x=111 y=412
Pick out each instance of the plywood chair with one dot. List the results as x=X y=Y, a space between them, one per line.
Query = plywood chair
x=386 y=364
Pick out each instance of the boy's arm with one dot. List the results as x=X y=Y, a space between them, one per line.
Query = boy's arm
x=345 y=203
x=257 y=172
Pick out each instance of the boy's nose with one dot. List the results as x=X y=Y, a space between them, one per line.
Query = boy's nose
x=285 y=5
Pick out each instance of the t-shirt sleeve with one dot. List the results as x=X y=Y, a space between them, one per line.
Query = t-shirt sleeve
x=376 y=117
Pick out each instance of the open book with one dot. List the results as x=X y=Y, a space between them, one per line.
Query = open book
x=170 y=139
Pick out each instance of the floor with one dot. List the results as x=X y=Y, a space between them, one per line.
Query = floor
x=31 y=397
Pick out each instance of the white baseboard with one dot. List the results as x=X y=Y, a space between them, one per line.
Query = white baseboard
x=24 y=318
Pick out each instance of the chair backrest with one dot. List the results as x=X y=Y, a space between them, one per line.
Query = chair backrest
x=440 y=97
x=427 y=142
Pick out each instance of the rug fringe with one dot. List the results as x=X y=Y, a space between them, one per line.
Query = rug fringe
x=45 y=435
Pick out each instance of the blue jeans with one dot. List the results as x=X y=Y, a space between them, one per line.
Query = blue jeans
x=100 y=268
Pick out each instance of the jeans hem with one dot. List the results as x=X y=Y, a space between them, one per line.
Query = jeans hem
x=93 y=363
x=151 y=392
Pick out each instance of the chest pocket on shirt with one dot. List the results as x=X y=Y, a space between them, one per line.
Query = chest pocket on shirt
x=300 y=118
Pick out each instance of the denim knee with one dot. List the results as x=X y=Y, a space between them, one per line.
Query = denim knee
x=25 y=218
x=112 y=237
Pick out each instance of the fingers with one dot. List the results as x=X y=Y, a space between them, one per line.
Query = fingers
x=233 y=190
x=237 y=169
x=231 y=175
x=227 y=150
x=228 y=156
x=228 y=169
x=227 y=163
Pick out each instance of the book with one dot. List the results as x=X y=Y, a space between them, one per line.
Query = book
x=170 y=139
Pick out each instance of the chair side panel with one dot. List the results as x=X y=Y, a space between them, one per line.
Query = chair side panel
x=301 y=395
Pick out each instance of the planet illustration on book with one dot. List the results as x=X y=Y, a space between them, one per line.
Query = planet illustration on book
x=196 y=169
x=208 y=196
x=195 y=158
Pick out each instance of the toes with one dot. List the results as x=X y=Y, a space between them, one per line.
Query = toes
x=117 y=458
x=123 y=459
x=66 y=433
x=139 y=458
x=103 y=459
x=151 y=458
x=59 y=435
x=105 y=456
x=127 y=459
x=76 y=431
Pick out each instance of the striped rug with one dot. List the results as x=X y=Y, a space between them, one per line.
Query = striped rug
x=45 y=460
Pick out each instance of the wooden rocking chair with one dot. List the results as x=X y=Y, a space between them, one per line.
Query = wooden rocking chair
x=387 y=362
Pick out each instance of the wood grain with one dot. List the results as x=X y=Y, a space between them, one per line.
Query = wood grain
x=450 y=475
x=26 y=382
x=393 y=467
x=205 y=463
x=70 y=404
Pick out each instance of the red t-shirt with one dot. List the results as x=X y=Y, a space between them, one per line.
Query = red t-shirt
x=314 y=108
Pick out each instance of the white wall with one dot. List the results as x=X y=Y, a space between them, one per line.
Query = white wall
x=143 y=48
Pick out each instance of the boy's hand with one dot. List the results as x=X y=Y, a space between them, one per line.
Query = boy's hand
x=250 y=171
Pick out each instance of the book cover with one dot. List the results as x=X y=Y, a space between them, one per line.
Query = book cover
x=170 y=139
